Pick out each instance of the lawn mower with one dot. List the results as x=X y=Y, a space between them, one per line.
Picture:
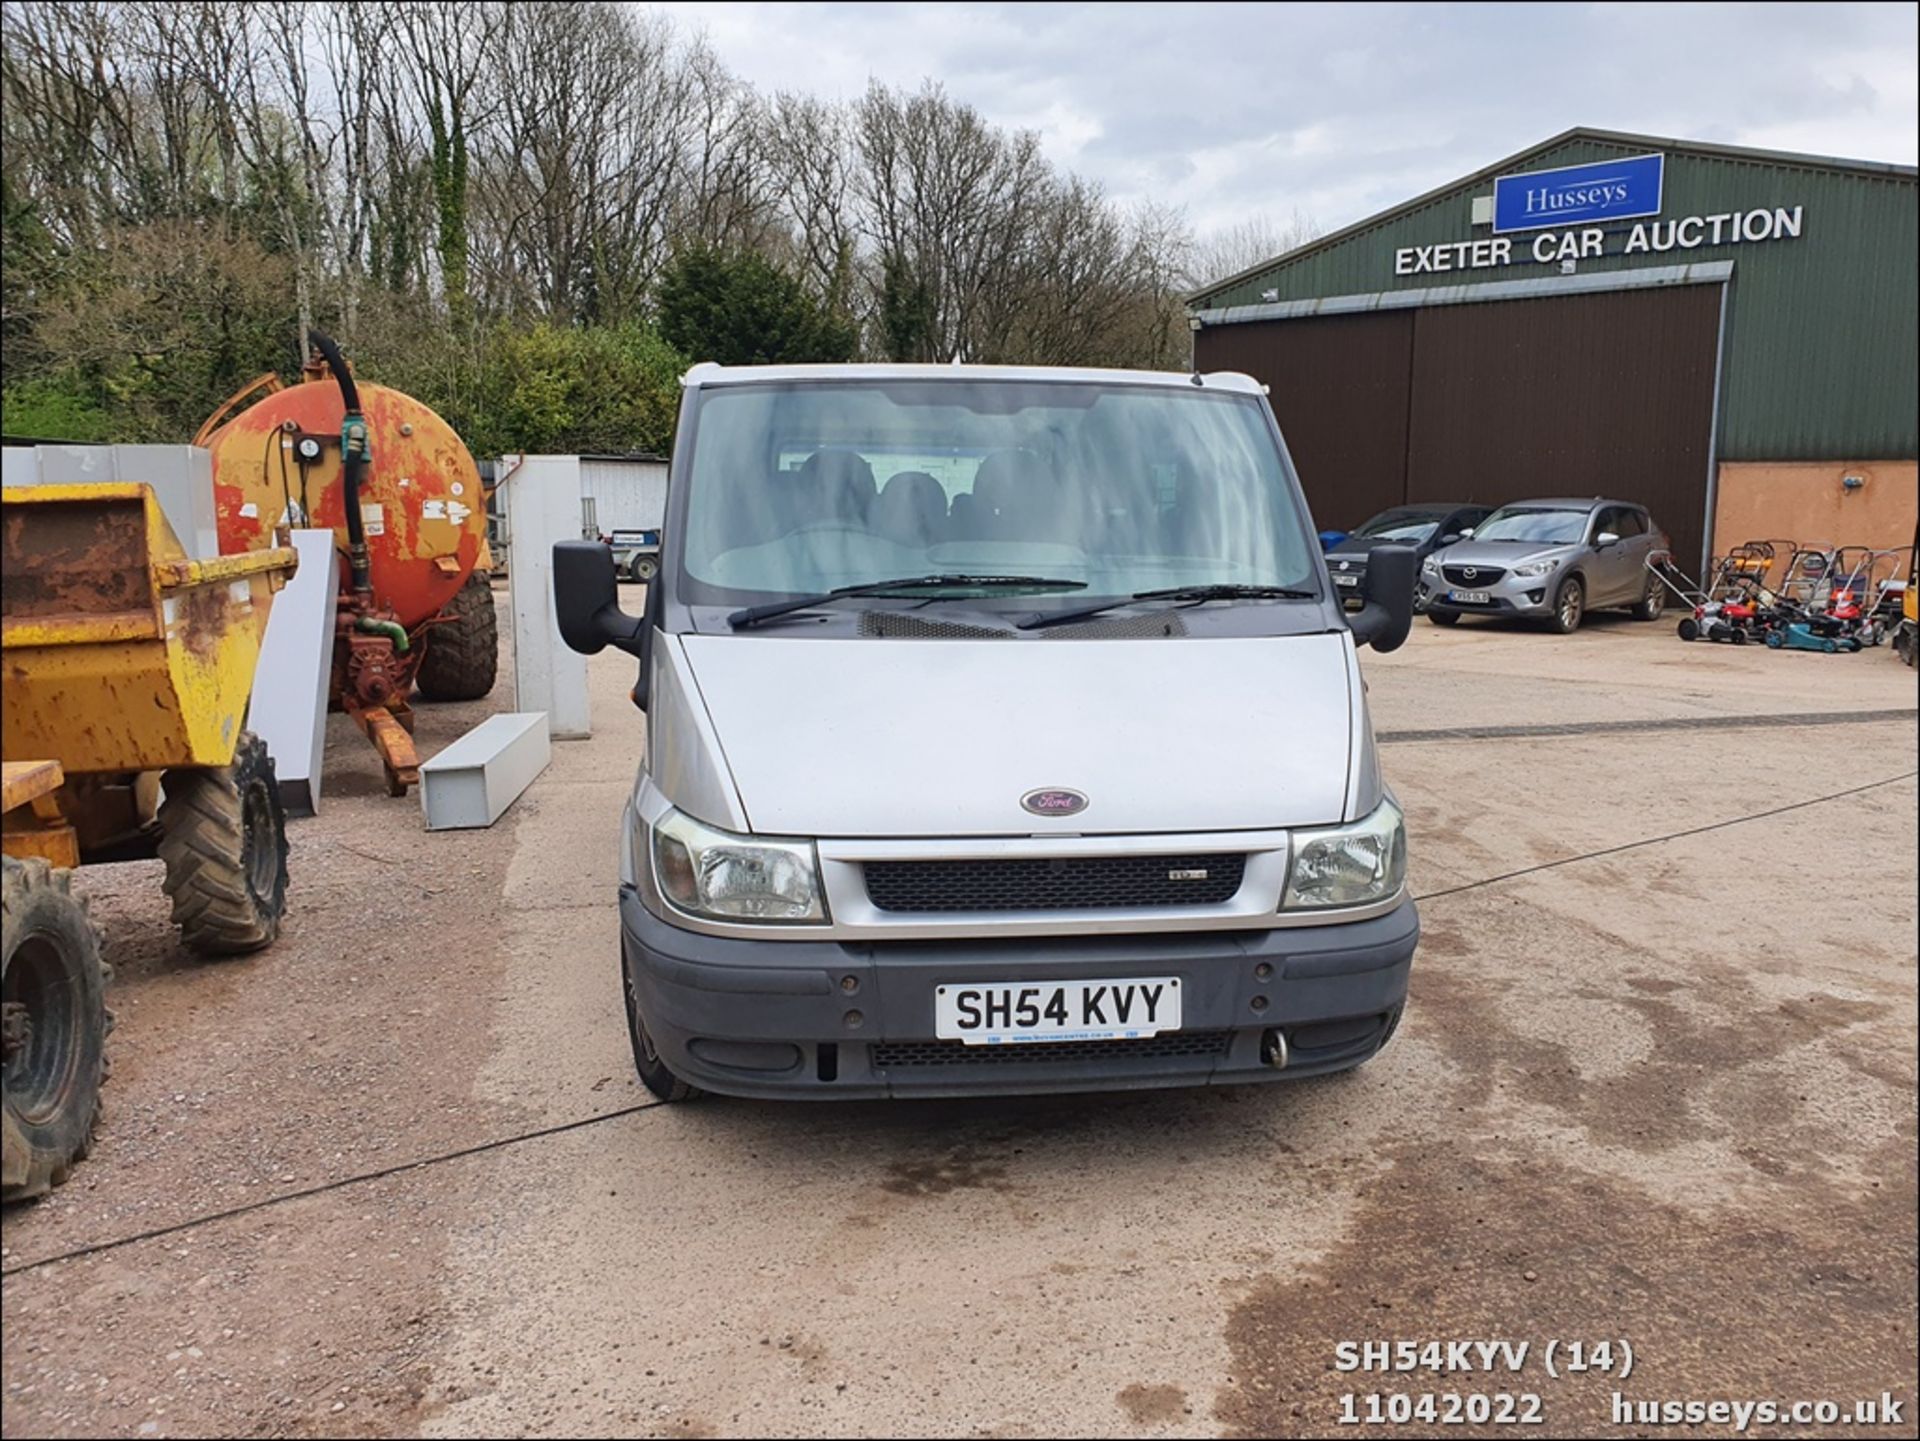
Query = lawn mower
x=1802 y=635
x=1730 y=605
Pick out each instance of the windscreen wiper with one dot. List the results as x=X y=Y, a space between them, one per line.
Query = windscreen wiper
x=1192 y=594
x=754 y=615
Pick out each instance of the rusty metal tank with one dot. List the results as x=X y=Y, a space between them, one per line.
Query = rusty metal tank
x=421 y=502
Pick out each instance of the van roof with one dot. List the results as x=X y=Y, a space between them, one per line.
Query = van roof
x=709 y=374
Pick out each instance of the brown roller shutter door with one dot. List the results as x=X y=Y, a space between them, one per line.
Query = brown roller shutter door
x=1608 y=394
x=1338 y=387
x=1603 y=394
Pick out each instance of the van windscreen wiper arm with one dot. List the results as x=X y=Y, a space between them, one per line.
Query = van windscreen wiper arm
x=1191 y=593
x=753 y=615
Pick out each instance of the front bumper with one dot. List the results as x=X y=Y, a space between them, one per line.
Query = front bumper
x=841 y=1020
x=1510 y=595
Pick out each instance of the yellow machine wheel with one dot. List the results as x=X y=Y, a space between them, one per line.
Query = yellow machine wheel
x=223 y=837
x=55 y=1022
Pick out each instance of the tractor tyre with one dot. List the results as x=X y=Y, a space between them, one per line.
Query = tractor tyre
x=463 y=652
x=55 y=1024
x=223 y=837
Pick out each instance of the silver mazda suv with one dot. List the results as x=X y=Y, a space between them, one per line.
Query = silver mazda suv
x=1552 y=560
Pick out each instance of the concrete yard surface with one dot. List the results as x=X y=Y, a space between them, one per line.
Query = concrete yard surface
x=1655 y=1084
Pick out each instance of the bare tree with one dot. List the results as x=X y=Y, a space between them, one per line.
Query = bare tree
x=535 y=159
x=1163 y=257
x=727 y=201
x=1246 y=244
x=106 y=106
x=810 y=159
x=614 y=143
x=353 y=38
x=948 y=201
x=450 y=45
x=555 y=156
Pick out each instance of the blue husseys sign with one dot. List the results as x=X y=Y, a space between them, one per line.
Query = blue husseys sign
x=1576 y=194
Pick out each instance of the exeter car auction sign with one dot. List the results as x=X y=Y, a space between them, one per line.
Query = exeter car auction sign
x=1577 y=212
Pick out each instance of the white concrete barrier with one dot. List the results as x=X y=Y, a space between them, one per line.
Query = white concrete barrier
x=472 y=782
x=542 y=500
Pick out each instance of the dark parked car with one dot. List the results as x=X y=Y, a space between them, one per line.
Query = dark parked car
x=1426 y=527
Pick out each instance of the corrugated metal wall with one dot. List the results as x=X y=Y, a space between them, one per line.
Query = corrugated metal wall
x=1823 y=336
x=627 y=494
x=1605 y=394
x=1339 y=390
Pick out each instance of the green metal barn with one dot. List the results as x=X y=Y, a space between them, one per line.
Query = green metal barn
x=1728 y=336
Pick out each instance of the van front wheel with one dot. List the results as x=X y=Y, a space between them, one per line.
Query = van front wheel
x=653 y=1071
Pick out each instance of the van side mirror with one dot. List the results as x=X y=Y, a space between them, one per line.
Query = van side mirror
x=1386 y=613
x=586 y=600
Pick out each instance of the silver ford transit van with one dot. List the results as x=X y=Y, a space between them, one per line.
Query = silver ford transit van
x=1003 y=734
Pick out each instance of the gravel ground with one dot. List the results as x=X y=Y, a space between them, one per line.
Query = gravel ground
x=1664 y=1094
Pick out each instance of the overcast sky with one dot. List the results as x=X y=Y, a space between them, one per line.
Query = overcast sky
x=1341 y=110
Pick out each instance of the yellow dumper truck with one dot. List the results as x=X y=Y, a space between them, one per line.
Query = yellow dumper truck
x=126 y=668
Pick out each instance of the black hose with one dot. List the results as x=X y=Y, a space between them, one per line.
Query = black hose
x=337 y=363
x=353 y=459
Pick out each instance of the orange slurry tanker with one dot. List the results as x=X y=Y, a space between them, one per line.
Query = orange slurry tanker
x=403 y=498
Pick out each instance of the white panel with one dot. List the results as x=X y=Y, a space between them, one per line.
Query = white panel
x=473 y=781
x=181 y=477
x=627 y=494
x=289 y=708
x=76 y=464
x=542 y=494
x=19 y=465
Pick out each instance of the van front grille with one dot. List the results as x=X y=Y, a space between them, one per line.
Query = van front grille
x=1055 y=883
x=1168 y=1044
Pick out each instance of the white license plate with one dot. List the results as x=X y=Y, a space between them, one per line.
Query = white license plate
x=1346 y=580
x=1022 y=1012
x=1470 y=597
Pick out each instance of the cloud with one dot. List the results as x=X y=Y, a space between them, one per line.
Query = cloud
x=1338 y=111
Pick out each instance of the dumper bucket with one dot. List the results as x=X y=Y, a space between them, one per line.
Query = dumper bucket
x=119 y=652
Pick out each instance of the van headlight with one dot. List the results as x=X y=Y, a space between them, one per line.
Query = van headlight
x=724 y=877
x=1349 y=865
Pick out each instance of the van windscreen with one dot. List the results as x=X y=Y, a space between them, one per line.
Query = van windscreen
x=795 y=488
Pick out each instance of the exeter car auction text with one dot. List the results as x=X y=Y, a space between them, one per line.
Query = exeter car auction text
x=1648 y=237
